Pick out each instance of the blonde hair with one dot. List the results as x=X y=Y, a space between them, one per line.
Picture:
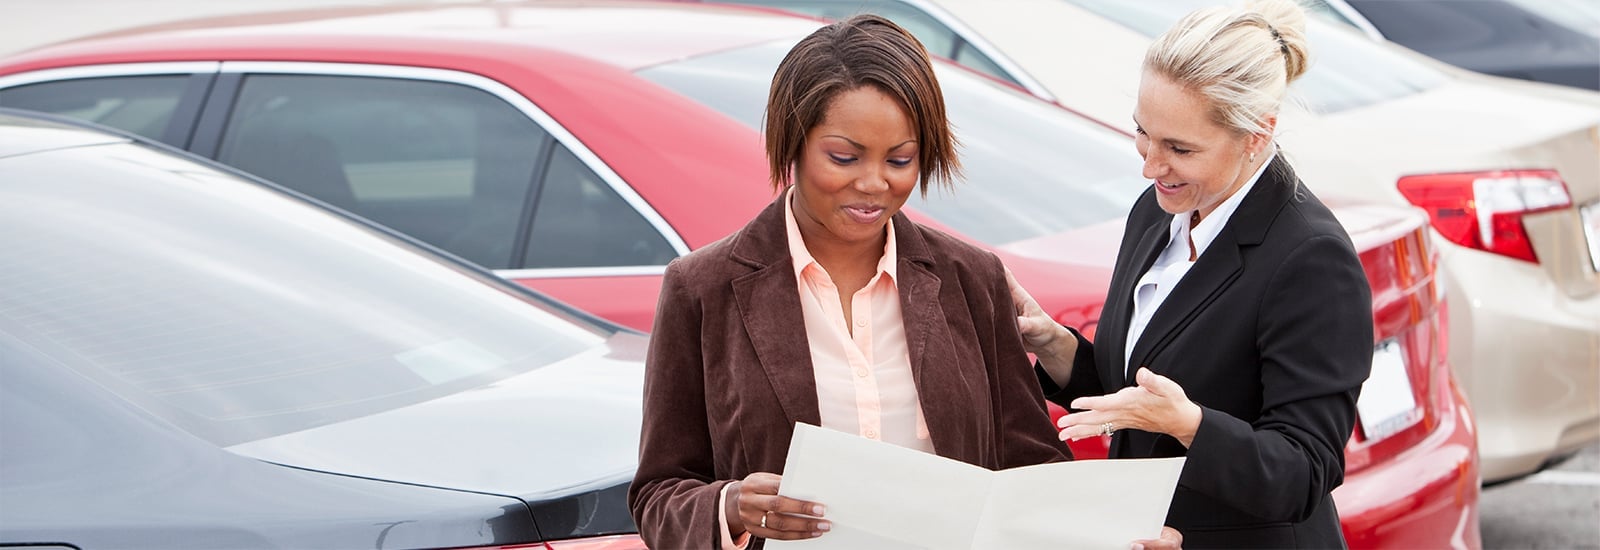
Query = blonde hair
x=1241 y=59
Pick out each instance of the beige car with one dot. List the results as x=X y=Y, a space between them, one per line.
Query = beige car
x=1508 y=171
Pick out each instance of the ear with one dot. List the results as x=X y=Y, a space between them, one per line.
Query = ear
x=1260 y=139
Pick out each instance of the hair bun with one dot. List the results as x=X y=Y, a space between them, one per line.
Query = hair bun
x=1286 y=23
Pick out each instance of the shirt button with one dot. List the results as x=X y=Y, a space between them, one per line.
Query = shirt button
x=861 y=372
x=872 y=434
x=861 y=323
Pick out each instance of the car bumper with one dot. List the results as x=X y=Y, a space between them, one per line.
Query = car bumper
x=1426 y=497
x=1528 y=357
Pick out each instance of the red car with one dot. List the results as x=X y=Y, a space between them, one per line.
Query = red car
x=578 y=147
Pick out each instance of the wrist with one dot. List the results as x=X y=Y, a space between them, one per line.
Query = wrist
x=730 y=511
x=1189 y=420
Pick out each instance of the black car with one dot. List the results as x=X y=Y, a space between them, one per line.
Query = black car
x=1498 y=37
x=190 y=358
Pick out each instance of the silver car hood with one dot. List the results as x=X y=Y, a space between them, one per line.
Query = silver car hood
x=562 y=429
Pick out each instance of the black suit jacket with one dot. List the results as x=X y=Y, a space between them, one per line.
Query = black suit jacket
x=1271 y=334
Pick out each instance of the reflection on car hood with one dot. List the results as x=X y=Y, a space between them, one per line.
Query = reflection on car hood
x=566 y=428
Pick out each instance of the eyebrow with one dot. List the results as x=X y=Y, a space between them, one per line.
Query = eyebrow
x=863 y=147
x=1169 y=141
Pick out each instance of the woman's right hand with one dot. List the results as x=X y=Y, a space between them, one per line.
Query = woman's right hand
x=756 y=498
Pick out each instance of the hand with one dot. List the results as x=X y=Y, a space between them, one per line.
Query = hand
x=1040 y=333
x=756 y=497
x=1170 y=539
x=1156 y=405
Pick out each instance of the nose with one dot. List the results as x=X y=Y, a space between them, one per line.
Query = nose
x=1154 y=165
x=873 y=180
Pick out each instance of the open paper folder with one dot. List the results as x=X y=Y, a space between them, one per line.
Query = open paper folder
x=881 y=496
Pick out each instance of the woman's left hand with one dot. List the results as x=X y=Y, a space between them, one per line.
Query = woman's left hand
x=1156 y=405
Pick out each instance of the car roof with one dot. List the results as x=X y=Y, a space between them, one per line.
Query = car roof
x=656 y=33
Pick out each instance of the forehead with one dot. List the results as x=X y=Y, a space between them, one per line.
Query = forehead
x=864 y=105
x=1168 y=107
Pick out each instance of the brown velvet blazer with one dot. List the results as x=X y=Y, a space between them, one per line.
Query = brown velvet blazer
x=729 y=371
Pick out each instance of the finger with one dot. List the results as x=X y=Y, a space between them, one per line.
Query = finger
x=1092 y=403
x=1156 y=384
x=791 y=527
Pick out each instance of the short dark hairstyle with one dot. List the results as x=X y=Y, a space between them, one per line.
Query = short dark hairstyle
x=864 y=50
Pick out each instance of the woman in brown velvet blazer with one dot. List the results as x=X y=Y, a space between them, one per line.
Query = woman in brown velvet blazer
x=855 y=122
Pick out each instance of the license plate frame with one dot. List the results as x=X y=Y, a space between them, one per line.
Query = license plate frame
x=1387 y=404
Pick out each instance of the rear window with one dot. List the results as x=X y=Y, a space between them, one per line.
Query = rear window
x=238 y=313
x=1032 y=168
x=1347 y=71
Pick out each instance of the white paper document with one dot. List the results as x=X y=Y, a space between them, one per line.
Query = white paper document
x=880 y=495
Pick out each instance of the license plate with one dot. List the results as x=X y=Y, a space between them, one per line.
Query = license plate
x=1387 y=404
x=1591 y=231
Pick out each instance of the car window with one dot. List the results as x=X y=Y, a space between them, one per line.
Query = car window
x=141 y=105
x=1347 y=69
x=238 y=313
x=1032 y=168
x=449 y=164
x=579 y=221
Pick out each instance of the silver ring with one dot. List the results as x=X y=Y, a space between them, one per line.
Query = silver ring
x=764 y=519
x=1107 y=428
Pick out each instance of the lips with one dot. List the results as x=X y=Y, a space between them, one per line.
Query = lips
x=1169 y=188
x=863 y=213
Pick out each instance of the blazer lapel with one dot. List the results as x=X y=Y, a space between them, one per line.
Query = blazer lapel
x=1118 y=313
x=769 y=305
x=924 y=320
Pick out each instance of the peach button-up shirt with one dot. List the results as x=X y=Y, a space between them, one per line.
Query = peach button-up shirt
x=862 y=365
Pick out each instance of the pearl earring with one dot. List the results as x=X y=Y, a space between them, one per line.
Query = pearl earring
x=1252 y=157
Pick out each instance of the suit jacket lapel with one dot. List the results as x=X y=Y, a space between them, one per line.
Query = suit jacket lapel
x=769 y=304
x=1118 y=314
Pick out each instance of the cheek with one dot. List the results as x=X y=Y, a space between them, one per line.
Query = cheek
x=1142 y=144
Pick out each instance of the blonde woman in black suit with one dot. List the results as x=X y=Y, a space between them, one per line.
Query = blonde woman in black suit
x=1238 y=327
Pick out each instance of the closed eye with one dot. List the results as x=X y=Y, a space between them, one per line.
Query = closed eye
x=842 y=159
x=900 y=163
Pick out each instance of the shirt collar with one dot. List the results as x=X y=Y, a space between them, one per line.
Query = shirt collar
x=1207 y=230
x=802 y=255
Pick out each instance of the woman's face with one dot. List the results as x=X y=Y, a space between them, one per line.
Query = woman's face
x=857 y=168
x=1196 y=163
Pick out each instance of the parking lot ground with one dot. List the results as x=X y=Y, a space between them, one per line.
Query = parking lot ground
x=1558 y=508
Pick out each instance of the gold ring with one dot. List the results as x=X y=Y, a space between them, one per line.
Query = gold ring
x=1107 y=428
x=764 y=519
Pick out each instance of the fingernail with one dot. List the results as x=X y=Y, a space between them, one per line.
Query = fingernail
x=816 y=510
x=1062 y=423
x=1137 y=546
x=1062 y=436
x=824 y=526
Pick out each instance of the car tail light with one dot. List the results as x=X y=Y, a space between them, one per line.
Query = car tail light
x=618 y=542
x=1484 y=210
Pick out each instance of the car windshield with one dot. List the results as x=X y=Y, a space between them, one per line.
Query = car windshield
x=1032 y=168
x=237 y=312
x=1347 y=70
